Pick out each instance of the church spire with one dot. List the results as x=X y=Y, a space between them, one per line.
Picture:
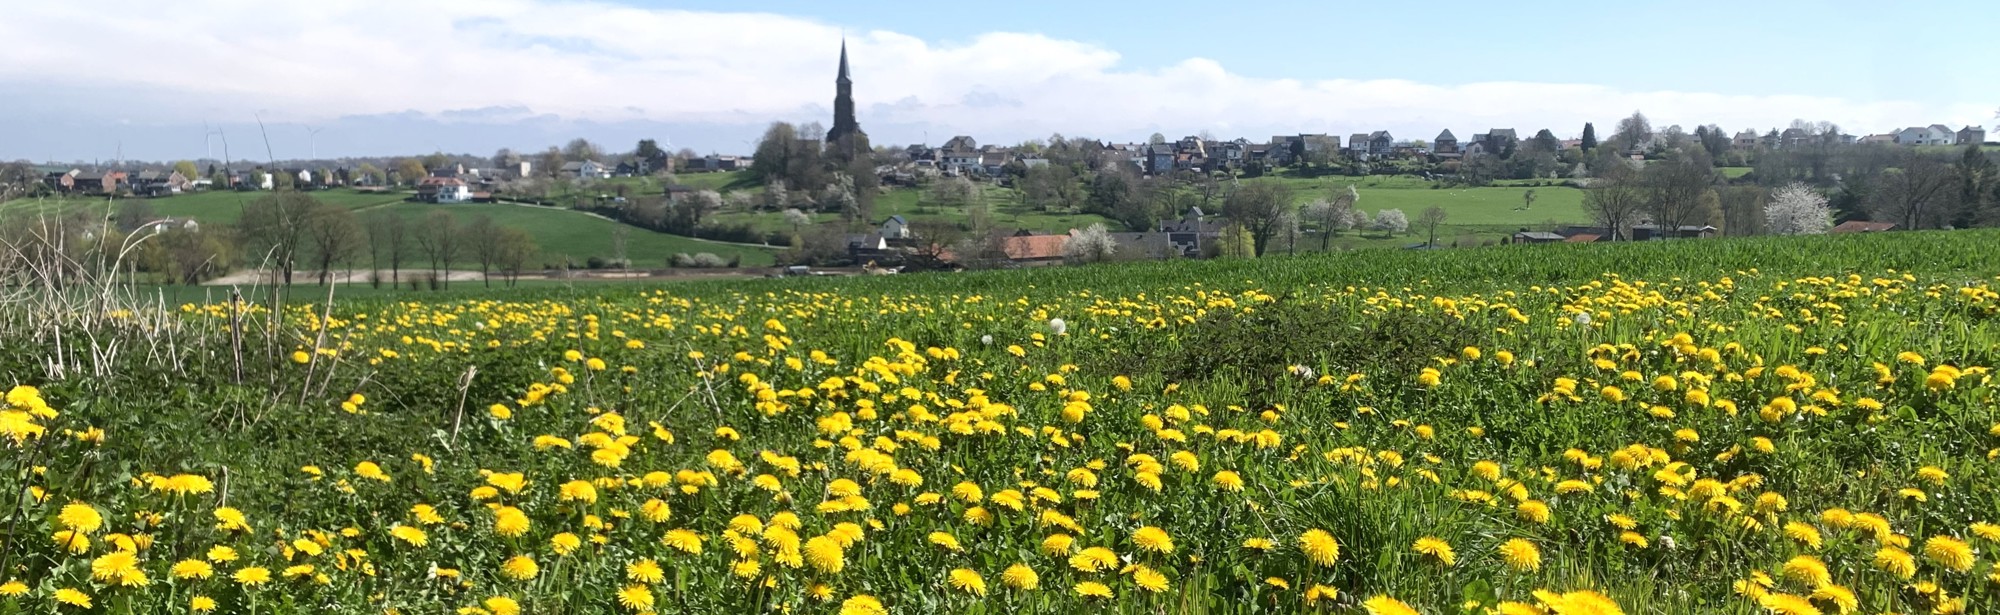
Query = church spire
x=843 y=78
x=846 y=134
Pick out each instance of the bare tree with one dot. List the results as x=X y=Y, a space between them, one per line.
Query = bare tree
x=388 y=239
x=483 y=239
x=1615 y=201
x=274 y=228
x=517 y=248
x=1632 y=131
x=1914 y=196
x=1674 y=188
x=1260 y=208
x=334 y=236
x=1430 y=219
x=438 y=240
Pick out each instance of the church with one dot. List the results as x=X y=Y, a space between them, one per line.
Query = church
x=845 y=138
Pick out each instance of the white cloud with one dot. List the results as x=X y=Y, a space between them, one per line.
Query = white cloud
x=311 y=61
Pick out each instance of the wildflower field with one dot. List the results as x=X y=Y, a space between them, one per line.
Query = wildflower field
x=1784 y=426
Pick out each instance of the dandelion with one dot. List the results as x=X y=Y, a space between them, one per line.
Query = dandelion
x=968 y=581
x=520 y=568
x=370 y=471
x=1021 y=577
x=1803 y=534
x=1058 y=327
x=683 y=540
x=73 y=597
x=1384 y=605
x=1807 y=570
x=1436 y=548
x=12 y=589
x=202 y=604
x=409 y=534
x=1320 y=547
x=1149 y=579
x=1532 y=511
x=1093 y=589
x=636 y=597
x=1949 y=552
x=80 y=517
x=1521 y=555
x=644 y=571
x=252 y=576
x=510 y=522
x=1583 y=602
x=564 y=543
x=1787 y=604
x=825 y=555
x=862 y=604
x=1228 y=481
x=1153 y=539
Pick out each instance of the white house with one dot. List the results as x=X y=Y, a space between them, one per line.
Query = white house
x=444 y=190
x=586 y=169
x=1934 y=134
x=896 y=228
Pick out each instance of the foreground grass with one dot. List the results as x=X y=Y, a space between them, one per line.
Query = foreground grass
x=830 y=445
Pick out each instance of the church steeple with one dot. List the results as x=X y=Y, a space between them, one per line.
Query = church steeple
x=843 y=78
x=846 y=133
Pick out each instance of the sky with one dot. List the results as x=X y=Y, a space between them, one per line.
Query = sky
x=124 y=79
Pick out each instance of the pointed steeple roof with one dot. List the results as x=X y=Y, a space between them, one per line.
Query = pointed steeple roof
x=843 y=63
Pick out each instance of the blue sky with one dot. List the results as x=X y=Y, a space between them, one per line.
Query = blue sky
x=475 y=75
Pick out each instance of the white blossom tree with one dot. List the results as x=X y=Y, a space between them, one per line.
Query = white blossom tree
x=1093 y=244
x=1797 y=209
x=1392 y=221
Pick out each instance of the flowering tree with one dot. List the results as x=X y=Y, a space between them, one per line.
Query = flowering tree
x=1090 y=245
x=1797 y=209
x=1392 y=221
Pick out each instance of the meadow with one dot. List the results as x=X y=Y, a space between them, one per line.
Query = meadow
x=560 y=234
x=1770 y=425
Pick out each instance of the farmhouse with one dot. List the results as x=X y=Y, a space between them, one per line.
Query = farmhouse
x=443 y=190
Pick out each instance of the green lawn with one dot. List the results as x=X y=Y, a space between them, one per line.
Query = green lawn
x=564 y=233
x=1005 y=205
x=1735 y=172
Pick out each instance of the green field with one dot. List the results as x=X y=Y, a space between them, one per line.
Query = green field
x=223 y=207
x=1738 y=426
x=561 y=233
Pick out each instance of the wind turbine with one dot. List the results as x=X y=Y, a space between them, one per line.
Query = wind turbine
x=312 y=135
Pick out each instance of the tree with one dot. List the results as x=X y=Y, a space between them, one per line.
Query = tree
x=549 y=163
x=1632 y=131
x=334 y=237
x=1589 y=137
x=388 y=240
x=951 y=192
x=1052 y=188
x=1260 y=208
x=506 y=158
x=274 y=228
x=517 y=248
x=134 y=212
x=1545 y=142
x=371 y=174
x=1977 y=180
x=483 y=238
x=839 y=197
x=1358 y=219
x=1116 y=194
x=187 y=169
x=1615 y=201
x=1332 y=215
x=581 y=149
x=1392 y=222
x=1675 y=186
x=1743 y=210
x=776 y=196
x=1797 y=209
x=798 y=219
x=1715 y=140
x=409 y=171
x=1156 y=139
x=1430 y=219
x=438 y=240
x=1091 y=245
x=1912 y=196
